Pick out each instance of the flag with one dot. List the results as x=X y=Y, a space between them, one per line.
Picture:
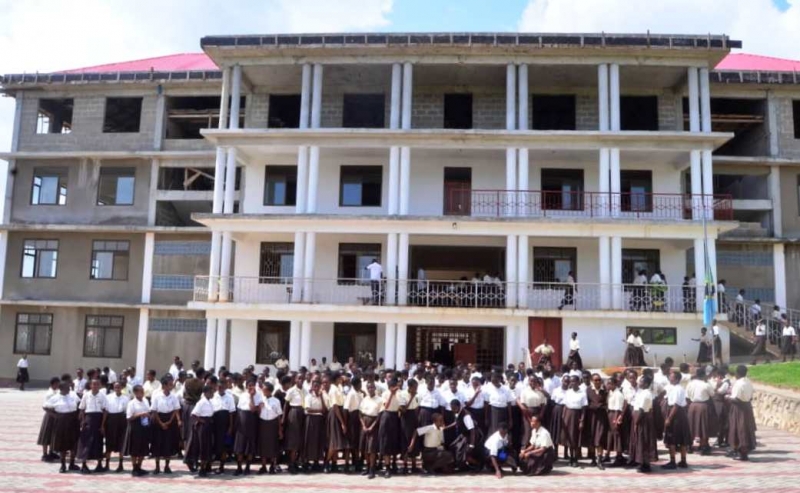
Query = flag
x=710 y=301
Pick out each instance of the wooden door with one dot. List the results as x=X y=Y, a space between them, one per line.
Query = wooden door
x=539 y=329
x=465 y=353
x=458 y=191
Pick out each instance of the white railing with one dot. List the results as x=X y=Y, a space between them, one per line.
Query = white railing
x=744 y=314
x=449 y=294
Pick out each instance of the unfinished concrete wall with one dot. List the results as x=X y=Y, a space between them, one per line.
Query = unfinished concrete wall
x=668 y=118
x=744 y=265
x=66 y=353
x=81 y=206
x=787 y=143
x=586 y=112
x=164 y=343
x=790 y=215
x=72 y=282
x=179 y=255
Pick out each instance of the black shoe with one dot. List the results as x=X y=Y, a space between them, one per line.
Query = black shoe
x=238 y=471
x=607 y=459
x=247 y=470
x=219 y=471
x=262 y=470
x=63 y=469
x=100 y=468
x=670 y=466
x=53 y=456
x=45 y=458
x=142 y=472
x=593 y=463
x=157 y=471
x=601 y=466
x=643 y=468
x=203 y=473
x=272 y=470
x=73 y=467
x=366 y=472
x=387 y=474
x=683 y=465
x=85 y=470
x=167 y=470
x=371 y=474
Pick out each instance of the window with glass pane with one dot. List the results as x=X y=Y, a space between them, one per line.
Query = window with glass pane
x=637 y=190
x=33 y=333
x=667 y=336
x=562 y=189
x=116 y=186
x=358 y=341
x=276 y=263
x=553 y=264
x=280 y=185
x=272 y=341
x=49 y=187
x=103 y=336
x=354 y=258
x=360 y=186
x=39 y=258
x=110 y=260
x=635 y=260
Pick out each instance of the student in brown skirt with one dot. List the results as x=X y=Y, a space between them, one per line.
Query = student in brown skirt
x=369 y=410
x=722 y=385
x=531 y=402
x=115 y=424
x=597 y=414
x=45 y=438
x=65 y=425
x=557 y=417
x=314 y=433
x=352 y=402
x=200 y=449
x=643 y=429
x=269 y=430
x=137 y=437
x=616 y=407
x=409 y=415
x=293 y=423
x=389 y=429
x=741 y=432
x=699 y=393
x=92 y=420
x=572 y=421
x=247 y=428
x=166 y=418
x=539 y=455
x=336 y=425
x=223 y=422
x=676 y=433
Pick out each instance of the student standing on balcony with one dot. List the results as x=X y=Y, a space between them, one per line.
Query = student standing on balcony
x=375 y=274
x=569 y=291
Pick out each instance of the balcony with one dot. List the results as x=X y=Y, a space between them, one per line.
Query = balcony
x=536 y=203
x=448 y=294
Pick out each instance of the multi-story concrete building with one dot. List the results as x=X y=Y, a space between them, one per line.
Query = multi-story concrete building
x=530 y=160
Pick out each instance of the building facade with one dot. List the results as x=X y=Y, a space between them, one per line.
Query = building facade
x=512 y=187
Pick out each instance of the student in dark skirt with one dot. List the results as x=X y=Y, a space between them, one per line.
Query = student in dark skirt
x=643 y=428
x=699 y=393
x=389 y=429
x=597 y=415
x=369 y=410
x=539 y=455
x=722 y=386
x=788 y=340
x=294 y=423
x=137 y=437
x=575 y=403
x=574 y=352
x=705 y=349
x=92 y=419
x=531 y=402
x=201 y=448
x=352 y=402
x=557 y=417
x=409 y=415
x=269 y=430
x=336 y=425
x=615 y=403
x=45 y=438
x=22 y=371
x=245 y=446
x=314 y=435
x=65 y=425
x=166 y=418
x=115 y=424
x=741 y=422
x=223 y=423
x=676 y=433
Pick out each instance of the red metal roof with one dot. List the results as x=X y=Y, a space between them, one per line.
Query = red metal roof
x=744 y=62
x=168 y=63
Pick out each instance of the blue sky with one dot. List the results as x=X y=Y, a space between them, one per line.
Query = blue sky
x=464 y=15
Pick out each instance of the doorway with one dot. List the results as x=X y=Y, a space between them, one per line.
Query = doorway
x=457 y=191
x=541 y=328
x=483 y=346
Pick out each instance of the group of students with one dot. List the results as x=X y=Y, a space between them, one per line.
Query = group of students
x=383 y=422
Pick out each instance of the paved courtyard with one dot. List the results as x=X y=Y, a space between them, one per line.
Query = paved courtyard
x=774 y=468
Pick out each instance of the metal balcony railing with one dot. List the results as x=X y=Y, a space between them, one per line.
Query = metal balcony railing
x=746 y=314
x=535 y=203
x=448 y=294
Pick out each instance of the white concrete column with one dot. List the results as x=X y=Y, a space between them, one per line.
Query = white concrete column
x=158 y=125
x=522 y=86
x=298 y=266
x=219 y=180
x=389 y=344
x=3 y=260
x=511 y=271
x=230 y=181
x=705 y=101
x=141 y=339
x=147 y=266
x=408 y=94
x=316 y=97
x=394 y=180
x=773 y=127
x=699 y=272
x=294 y=345
x=511 y=344
x=394 y=109
x=155 y=165
x=400 y=352
x=511 y=183
x=614 y=180
x=301 y=196
x=221 y=353
x=708 y=183
x=523 y=270
x=602 y=97
x=696 y=172
x=613 y=95
x=604 y=184
x=236 y=97
x=694 y=99
x=511 y=91
x=405 y=180
x=305 y=95
x=402 y=268
x=391 y=268
x=308 y=266
x=313 y=179
x=523 y=198
x=225 y=266
x=616 y=272
x=604 y=261
x=210 y=350
x=305 y=343
x=224 y=99
x=522 y=343
x=213 y=271
x=775 y=195
x=779 y=266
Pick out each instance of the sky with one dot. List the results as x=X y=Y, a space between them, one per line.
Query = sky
x=50 y=35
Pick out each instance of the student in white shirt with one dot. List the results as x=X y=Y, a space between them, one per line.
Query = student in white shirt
x=375 y=276
x=293 y=422
x=498 y=453
x=137 y=441
x=269 y=430
x=200 y=448
x=22 y=371
x=575 y=403
x=643 y=434
x=45 y=438
x=166 y=438
x=435 y=458
x=539 y=455
x=499 y=401
x=335 y=365
x=151 y=386
x=66 y=424
x=79 y=384
x=760 y=348
x=430 y=401
x=90 y=444
x=369 y=409
x=475 y=402
x=788 y=340
x=676 y=424
x=742 y=436
x=115 y=424
x=315 y=409
x=616 y=410
x=245 y=445
x=223 y=424
x=545 y=353
x=575 y=352
x=352 y=403
x=699 y=393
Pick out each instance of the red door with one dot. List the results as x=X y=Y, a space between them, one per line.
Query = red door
x=457 y=191
x=465 y=353
x=539 y=329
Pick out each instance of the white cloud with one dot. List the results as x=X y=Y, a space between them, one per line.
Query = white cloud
x=763 y=28
x=49 y=35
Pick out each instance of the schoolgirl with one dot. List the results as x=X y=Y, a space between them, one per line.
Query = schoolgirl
x=369 y=410
x=245 y=445
x=352 y=402
x=676 y=430
x=409 y=415
x=389 y=429
x=643 y=429
x=66 y=425
x=575 y=401
x=269 y=429
x=336 y=424
x=597 y=419
x=115 y=424
x=223 y=424
x=314 y=433
x=45 y=438
x=91 y=416
x=294 y=423
x=137 y=436
x=166 y=418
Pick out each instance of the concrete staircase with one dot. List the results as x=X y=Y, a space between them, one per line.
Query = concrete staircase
x=743 y=334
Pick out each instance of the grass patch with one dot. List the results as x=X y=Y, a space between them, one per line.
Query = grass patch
x=786 y=375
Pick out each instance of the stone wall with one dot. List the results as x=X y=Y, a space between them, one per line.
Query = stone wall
x=777 y=408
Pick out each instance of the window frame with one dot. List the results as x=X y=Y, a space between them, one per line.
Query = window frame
x=263 y=329
x=627 y=177
x=625 y=112
x=118 y=174
x=295 y=98
x=454 y=96
x=655 y=255
x=355 y=249
x=287 y=170
x=647 y=334
x=114 y=252
x=103 y=328
x=796 y=117
x=36 y=258
x=31 y=348
x=106 y=114
x=554 y=254
x=279 y=248
x=44 y=113
x=349 y=112
x=50 y=172
x=546 y=123
x=377 y=169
